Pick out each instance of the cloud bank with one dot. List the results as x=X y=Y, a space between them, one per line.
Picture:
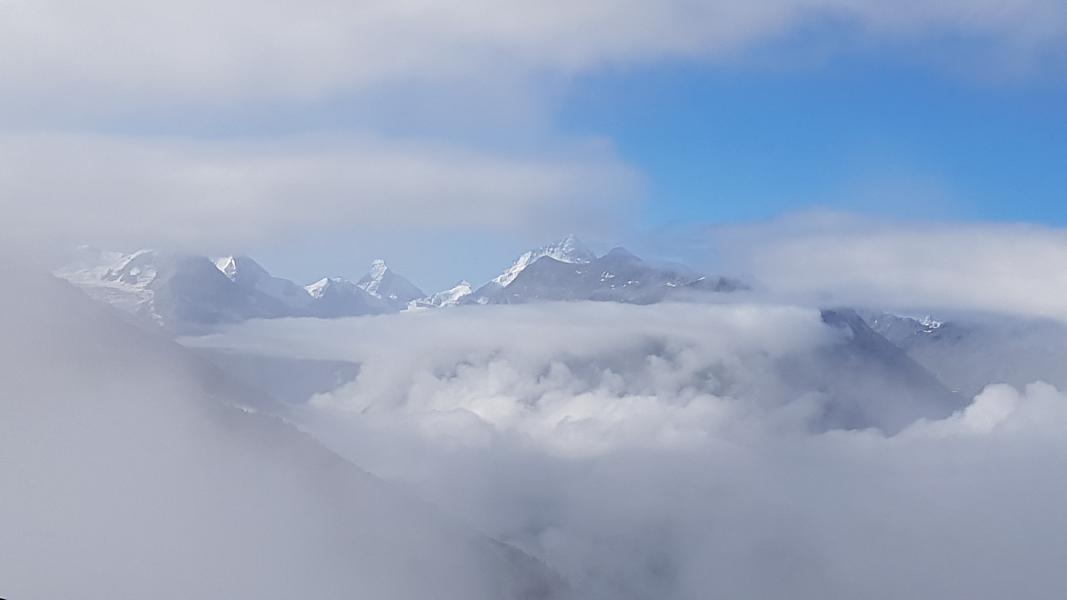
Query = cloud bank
x=129 y=190
x=243 y=50
x=828 y=258
x=127 y=472
x=630 y=449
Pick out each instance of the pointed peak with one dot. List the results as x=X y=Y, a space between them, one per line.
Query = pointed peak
x=240 y=267
x=569 y=249
x=568 y=244
x=378 y=268
x=228 y=266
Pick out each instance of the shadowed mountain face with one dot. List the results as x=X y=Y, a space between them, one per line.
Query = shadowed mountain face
x=969 y=354
x=139 y=478
x=252 y=277
x=190 y=289
x=617 y=276
x=871 y=381
x=335 y=297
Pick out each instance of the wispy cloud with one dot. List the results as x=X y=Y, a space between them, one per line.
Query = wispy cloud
x=237 y=50
x=835 y=258
x=184 y=191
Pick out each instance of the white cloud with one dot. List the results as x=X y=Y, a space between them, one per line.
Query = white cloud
x=124 y=470
x=592 y=435
x=136 y=190
x=235 y=50
x=1005 y=268
x=1039 y=409
x=627 y=376
x=473 y=72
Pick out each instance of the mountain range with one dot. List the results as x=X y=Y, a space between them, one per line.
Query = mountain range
x=184 y=292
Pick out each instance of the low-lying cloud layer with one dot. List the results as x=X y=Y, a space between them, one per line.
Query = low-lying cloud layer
x=634 y=450
x=124 y=474
x=1013 y=269
x=575 y=378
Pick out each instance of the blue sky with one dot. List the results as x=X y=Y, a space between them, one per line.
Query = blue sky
x=870 y=134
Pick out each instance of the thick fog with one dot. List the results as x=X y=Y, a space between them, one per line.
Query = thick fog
x=668 y=451
x=127 y=472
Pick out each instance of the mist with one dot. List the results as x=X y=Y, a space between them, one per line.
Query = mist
x=664 y=451
x=129 y=471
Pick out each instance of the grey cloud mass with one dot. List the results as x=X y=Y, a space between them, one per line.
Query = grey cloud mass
x=632 y=450
x=130 y=190
x=310 y=49
x=130 y=469
x=1012 y=269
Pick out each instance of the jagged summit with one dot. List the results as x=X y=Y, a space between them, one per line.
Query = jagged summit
x=249 y=275
x=339 y=297
x=377 y=268
x=241 y=269
x=567 y=270
x=183 y=292
x=388 y=285
x=569 y=249
x=323 y=286
x=449 y=297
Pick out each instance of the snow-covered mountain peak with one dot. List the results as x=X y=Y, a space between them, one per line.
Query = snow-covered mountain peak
x=567 y=250
x=378 y=268
x=321 y=287
x=188 y=292
x=241 y=269
x=449 y=297
x=138 y=269
x=372 y=281
x=228 y=266
x=386 y=284
x=90 y=264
